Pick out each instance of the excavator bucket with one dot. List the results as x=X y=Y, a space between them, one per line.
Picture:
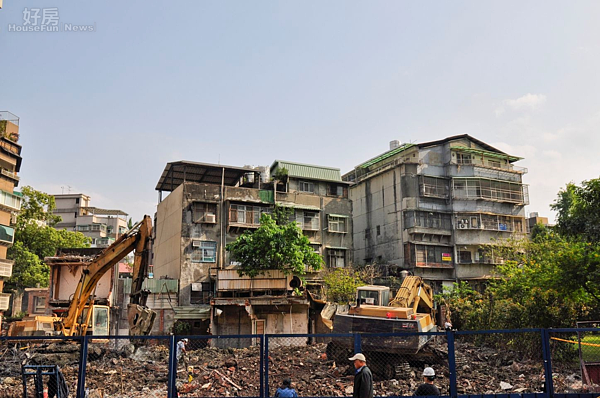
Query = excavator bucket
x=141 y=320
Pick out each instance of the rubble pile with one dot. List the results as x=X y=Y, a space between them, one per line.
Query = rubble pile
x=127 y=372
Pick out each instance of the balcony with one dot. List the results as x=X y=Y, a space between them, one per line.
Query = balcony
x=228 y=280
x=4 y=301
x=433 y=187
x=9 y=201
x=490 y=222
x=6 y=267
x=7 y=235
x=13 y=176
x=475 y=188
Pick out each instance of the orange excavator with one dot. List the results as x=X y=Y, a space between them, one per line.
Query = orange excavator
x=83 y=316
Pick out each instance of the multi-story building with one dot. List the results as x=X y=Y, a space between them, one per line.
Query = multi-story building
x=102 y=226
x=432 y=208
x=10 y=201
x=209 y=206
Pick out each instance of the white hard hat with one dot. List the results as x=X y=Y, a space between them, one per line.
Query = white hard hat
x=185 y=340
x=359 y=356
x=429 y=372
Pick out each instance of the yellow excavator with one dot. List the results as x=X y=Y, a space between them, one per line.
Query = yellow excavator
x=412 y=310
x=83 y=317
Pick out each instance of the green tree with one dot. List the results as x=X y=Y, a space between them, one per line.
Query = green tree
x=341 y=285
x=273 y=246
x=35 y=239
x=129 y=223
x=578 y=209
x=37 y=206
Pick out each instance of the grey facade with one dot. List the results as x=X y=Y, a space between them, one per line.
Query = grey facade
x=209 y=206
x=430 y=207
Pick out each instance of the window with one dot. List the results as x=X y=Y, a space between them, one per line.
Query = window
x=336 y=258
x=463 y=158
x=316 y=247
x=83 y=228
x=243 y=214
x=39 y=304
x=494 y=163
x=304 y=186
x=337 y=224
x=378 y=230
x=428 y=256
x=434 y=187
x=464 y=257
x=335 y=190
x=76 y=201
x=204 y=252
x=307 y=220
x=204 y=212
x=367 y=233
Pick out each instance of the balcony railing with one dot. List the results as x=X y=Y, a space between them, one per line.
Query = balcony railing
x=493 y=190
x=7 y=235
x=10 y=201
x=6 y=267
x=230 y=280
x=4 y=301
x=10 y=174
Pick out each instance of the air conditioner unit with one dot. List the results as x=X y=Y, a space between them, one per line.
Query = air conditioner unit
x=196 y=243
x=463 y=226
x=210 y=218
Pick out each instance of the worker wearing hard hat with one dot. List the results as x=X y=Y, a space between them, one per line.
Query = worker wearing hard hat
x=427 y=388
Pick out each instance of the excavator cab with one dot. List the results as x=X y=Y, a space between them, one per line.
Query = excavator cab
x=373 y=295
x=99 y=320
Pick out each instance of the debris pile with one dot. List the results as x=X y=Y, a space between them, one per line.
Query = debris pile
x=126 y=372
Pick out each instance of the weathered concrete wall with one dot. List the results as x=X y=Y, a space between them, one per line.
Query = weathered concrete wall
x=167 y=245
x=192 y=271
x=468 y=271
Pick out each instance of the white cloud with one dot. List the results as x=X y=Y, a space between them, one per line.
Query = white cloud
x=528 y=101
x=525 y=103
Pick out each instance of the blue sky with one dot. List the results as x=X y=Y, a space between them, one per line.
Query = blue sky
x=331 y=83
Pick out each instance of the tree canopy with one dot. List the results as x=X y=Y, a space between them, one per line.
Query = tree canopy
x=341 y=285
x=35 y=239
x=550 y=280
x=274 y=246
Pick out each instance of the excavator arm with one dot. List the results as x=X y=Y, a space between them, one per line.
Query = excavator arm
x=137 y=238
x=414 y=293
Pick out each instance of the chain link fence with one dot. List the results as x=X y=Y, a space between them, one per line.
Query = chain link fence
x=499 y=363
x=219 y=366
x=503 y=363
x=34 y=367
x=575 y=360
x=127 y=367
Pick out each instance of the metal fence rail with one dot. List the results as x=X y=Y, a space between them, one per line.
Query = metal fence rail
x=533 y=363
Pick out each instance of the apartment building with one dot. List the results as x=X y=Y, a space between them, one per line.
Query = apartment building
x=209 y=206
x=102 y=226
x=10 y=201
x=431 y=207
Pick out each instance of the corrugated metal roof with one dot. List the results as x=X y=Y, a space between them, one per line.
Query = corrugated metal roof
x=308 y=171
x=386 y=155
x=486 y=153
x=192 y=312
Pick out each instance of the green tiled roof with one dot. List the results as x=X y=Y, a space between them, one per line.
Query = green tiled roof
x=486 y=153
x=386 y=155
x=310 y=172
